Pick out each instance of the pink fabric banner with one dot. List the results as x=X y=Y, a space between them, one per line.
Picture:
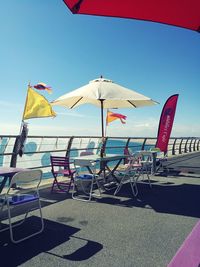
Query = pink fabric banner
x=166 y=123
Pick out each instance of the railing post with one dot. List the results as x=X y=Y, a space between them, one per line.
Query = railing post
x=180 y=146
x=13 y=161
x=143 y=145
x=198 y=145
x=173 y=148
x=126 y=148
x=127 y=142
x=69 y=146
x=194 y=146
x=190 y=147
x=185 y=150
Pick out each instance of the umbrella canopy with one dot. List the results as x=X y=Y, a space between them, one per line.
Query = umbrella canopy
x=181 y=13
x=105 y=94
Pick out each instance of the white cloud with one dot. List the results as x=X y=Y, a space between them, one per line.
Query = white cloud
x=9 y=128
x=6 y=104
x=186 y=130
x=144 y=128
x=72 y=114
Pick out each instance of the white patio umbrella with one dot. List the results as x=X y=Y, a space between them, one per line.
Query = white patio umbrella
x=105 y=94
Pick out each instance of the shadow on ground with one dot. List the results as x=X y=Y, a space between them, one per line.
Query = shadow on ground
x=188 y=163
x=54 y=235
x=164 y=198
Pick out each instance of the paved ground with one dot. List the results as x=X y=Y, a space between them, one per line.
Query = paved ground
x=188 y=163
x=112 y=231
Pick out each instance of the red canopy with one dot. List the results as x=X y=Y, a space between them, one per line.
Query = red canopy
x=181 y=13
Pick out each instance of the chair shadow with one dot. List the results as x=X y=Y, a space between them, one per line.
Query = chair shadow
x=179 y=172
x=54 y=235
x=85 y=252
x=164 y=198
x=46 y=195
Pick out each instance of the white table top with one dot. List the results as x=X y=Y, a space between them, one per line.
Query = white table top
x=95 y=157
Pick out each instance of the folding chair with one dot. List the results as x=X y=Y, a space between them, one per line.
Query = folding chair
x=130 y=174
x=161 y=158
x=146 y=162
x=60 y=166
x=85 y=183
x=24 y=198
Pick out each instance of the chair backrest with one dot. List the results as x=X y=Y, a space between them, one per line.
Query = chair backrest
x=159 y=153
x=146 y=156
x=127 y=152
x=155 y=149
x=134 y=161
x=85 y=153
x=85 y=166
x=58 y=161
x=29 y=178
x=136 y=157
x=84 y=163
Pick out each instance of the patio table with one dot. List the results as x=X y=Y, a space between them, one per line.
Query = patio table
x=104 y=161
x=7 y=173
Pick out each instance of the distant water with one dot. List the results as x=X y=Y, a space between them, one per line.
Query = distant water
x=43 y=159
x=114 y=147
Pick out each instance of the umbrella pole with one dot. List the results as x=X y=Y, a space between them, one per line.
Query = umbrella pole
x=102 y=122
x=102 y=166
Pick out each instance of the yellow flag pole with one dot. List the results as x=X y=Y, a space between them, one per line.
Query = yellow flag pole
x=21 y=138
x=22 y=121
x=25 y=102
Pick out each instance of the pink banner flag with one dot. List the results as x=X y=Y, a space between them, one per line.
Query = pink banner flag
x=166 y=123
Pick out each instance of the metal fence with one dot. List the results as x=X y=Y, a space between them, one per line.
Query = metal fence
x=38 y=149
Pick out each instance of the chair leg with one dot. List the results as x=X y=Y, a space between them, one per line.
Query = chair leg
x=89 y=194
x=98 y=188
x=148 y=175
x=59 y=185
x=145 y=170
x=70 y=182
x=75 y=190
x=133 y=185
x=119 y=185
x=11 y=226
x=55 y=183
x=134 y=188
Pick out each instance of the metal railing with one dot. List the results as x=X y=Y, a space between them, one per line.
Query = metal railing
x=38 y=149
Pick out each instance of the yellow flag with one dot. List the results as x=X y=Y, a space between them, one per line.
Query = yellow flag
x=37 y=106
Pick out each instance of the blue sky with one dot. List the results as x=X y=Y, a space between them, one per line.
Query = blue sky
x=42 y=41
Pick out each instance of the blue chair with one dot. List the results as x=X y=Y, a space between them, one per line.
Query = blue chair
x=22 y=195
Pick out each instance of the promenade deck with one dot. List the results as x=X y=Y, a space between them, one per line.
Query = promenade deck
x=118 y=231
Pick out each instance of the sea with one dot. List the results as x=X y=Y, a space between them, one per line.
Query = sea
x=37 y=155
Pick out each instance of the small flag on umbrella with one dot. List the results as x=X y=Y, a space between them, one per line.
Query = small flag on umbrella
x=111 y=116
x=43 y=86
